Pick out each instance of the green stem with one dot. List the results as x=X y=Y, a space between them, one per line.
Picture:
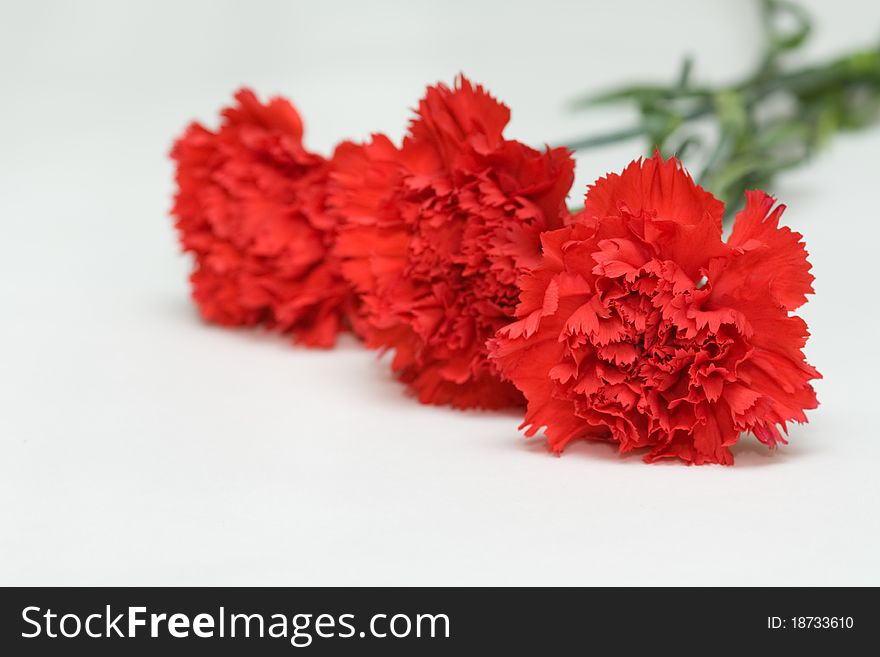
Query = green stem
x=755 y=139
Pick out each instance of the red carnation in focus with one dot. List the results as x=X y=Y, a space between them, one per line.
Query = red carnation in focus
x=642 y=327
x=436 y=233
x=251 y=207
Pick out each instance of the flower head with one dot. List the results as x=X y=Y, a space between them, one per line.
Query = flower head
x=435 y=234
x=642 y=327
x=251 y=207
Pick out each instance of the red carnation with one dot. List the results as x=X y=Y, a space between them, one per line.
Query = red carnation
x=251 y=207
x=642 y=327
x=436 y=233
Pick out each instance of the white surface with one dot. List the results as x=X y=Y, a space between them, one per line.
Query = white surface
x=140 y=446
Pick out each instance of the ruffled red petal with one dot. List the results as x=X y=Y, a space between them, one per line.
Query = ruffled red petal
x=437 y=232
x=251 y=207
x=641 y=326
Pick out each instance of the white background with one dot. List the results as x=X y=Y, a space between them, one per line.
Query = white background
x=140 y=446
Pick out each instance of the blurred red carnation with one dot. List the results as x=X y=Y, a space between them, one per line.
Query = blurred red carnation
x=251 y=207
x=642 y=327
x=435 y=234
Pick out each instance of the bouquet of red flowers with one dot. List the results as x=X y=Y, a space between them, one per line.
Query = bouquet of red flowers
x=631 y=321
